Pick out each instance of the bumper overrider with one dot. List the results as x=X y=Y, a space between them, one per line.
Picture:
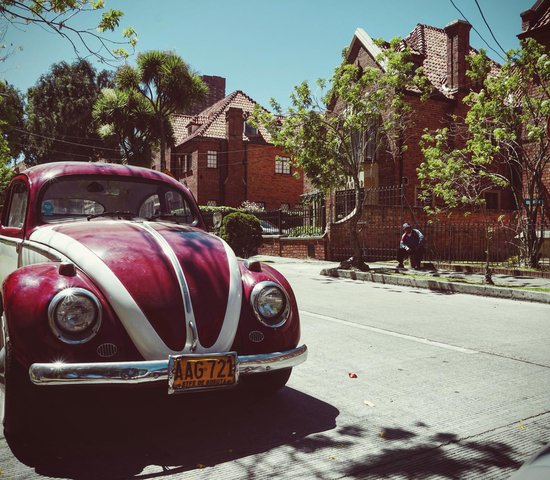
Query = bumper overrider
x=112 y=373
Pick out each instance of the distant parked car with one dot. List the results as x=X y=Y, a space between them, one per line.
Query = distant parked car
x=269 y=229
x=110 y=279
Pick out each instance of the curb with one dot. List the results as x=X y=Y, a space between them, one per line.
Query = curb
x=447 y=287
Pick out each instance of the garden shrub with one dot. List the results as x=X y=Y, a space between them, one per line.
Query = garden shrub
x=243 y=233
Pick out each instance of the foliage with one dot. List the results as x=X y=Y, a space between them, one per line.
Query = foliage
x=58 y=16
x=243 y=233
x=11 y=121
x=455 y=177
x=160 y=85
x=363 y=113
x=127 y=119
x=6 y=172
x=221 y=209
x=11 y=126
x=305 y=231
x=458 y=178
x=506 y=130
x=59 y=115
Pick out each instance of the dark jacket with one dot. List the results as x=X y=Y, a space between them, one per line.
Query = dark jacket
x=413 y=240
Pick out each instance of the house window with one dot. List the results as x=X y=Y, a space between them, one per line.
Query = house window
x=285 y=207
x=422 y=197
x=492 y=200
x=249 y=130
x=178 y=166
x=212 y=159
x=188 y=163
x=282 y=165
x=212 y=203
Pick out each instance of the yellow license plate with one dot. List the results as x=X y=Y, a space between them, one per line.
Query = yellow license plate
x=201 y=372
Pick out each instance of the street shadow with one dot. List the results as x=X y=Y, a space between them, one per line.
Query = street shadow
x=175 y=433
x=408 y=455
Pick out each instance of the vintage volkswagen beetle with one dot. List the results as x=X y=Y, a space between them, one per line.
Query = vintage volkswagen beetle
x=109 y=277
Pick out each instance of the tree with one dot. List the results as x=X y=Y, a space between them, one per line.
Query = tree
x=506 y=125
x=12 y=119
x=458 y=178
x=59 y=115
x=58 y=16
x=167 y=83
x=11 y=131
x=363 y=112
x=126 y=118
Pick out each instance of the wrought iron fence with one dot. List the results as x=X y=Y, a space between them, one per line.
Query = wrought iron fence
x=466 y=243
x=344 y=200
x=300 y=222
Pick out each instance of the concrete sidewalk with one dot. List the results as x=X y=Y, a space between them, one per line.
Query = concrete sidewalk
x=515 y=287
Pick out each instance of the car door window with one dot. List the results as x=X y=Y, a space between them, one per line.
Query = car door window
x=17 y=206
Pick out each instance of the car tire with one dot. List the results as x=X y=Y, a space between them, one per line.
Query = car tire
x=16 y=407
x=266 y=382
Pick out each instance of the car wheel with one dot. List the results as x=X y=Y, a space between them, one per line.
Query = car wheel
x=267 y=382
x=15 y=406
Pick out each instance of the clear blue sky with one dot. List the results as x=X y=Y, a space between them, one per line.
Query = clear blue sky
x=265 y=47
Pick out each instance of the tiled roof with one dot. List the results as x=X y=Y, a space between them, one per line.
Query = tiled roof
x=542 y=21
x=537 y=17
x=431 y=42
x=211 y=121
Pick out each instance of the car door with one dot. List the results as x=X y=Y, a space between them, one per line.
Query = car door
x=12 y=227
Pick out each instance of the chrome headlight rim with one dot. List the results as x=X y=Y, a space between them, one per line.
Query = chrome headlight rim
x=282 y=316
x=77 y=337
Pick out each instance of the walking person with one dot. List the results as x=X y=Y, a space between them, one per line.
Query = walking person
x=411 y=245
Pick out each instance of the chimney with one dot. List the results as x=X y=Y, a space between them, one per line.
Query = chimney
x=234 y=123
x=216 y=92
x=458 y=47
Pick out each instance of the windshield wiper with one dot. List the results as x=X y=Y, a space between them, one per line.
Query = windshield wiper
x=166 y=216
x=117 y=214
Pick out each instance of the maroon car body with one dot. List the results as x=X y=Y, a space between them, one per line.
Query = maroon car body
x=109 y=277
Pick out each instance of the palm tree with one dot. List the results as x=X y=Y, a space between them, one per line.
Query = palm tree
x=168 y=85
x=126 y=118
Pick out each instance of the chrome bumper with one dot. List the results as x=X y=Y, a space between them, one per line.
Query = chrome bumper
x=111 y=373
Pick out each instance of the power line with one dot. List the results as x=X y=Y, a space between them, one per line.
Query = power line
x=490 y=30
x=475 y=30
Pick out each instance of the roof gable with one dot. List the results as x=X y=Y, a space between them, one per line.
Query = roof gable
x=211 y=123
x=429 y=49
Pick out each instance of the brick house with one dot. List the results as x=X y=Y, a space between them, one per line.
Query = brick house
x=535 y=23
x=225 y=160
x=442 y=52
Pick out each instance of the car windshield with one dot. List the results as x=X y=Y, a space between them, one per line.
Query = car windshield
x=78 y=197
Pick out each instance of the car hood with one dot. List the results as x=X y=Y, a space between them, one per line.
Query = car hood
x=175 y=289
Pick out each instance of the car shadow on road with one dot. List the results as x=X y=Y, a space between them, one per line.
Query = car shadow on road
x=175 y=434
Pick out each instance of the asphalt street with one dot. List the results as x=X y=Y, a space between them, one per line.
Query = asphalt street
x=400 y=383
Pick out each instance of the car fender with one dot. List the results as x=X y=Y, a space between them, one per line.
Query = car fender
x=250 y=329
x=27 y=293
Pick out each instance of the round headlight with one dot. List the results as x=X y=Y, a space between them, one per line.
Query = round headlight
x=74 y=315
x=270 y=304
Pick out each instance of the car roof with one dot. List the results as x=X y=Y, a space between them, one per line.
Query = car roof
x=40 y=174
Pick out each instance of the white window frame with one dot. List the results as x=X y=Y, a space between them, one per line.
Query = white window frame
x=282 y=165
x=212 y=159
